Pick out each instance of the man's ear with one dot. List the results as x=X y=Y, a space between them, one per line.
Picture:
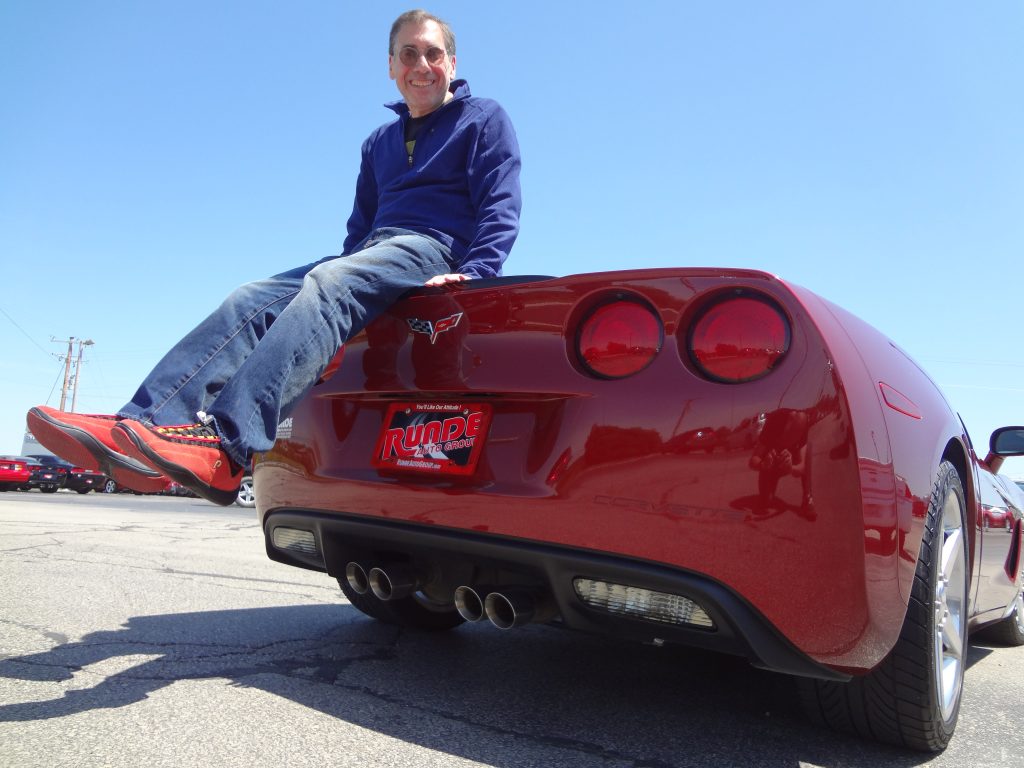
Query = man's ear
x=391 y=67
x=452 y=57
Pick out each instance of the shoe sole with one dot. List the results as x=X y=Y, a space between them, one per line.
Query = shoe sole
x=176 y=472
x=80 y=447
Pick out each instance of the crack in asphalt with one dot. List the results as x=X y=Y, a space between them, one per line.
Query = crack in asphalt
x=58 y=638
x=310 y=660
x=560 y=742
x=329 y=672
x=324 y=660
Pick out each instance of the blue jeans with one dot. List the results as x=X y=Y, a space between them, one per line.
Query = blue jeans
x=249 y=362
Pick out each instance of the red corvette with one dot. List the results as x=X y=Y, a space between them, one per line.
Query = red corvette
x=708 y=457
x=14 y=472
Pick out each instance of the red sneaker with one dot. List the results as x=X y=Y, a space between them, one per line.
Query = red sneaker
x=189 y=454
x=87 y=441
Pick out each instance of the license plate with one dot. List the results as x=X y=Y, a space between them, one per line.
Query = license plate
x=433 y=438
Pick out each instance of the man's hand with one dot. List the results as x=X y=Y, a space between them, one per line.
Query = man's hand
x=445 y=279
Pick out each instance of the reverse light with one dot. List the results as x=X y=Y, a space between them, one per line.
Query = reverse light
x=641 y=603
x=739 y=339
x=295 y=540
x=618 y=339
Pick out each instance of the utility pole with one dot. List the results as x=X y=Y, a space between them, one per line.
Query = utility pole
x=67 y=371
x=68 y=376
x=78 y=371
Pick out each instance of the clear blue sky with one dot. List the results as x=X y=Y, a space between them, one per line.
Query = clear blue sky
x=154 y=155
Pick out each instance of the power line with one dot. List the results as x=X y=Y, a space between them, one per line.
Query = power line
x=25 y=333
x=991 y=363
x=60 y=373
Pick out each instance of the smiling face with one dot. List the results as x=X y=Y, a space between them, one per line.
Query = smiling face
x=423 y=85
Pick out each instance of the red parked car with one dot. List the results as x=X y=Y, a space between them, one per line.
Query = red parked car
x=707 y=457
x=999 y=507
x=14 y=472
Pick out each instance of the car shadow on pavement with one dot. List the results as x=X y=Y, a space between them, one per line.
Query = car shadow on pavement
x=543 y=695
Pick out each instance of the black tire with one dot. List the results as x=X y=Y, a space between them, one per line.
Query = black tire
x=48 y=489
x=413 y=612
x=912 y=698
x=110 y=486
x=84 y=490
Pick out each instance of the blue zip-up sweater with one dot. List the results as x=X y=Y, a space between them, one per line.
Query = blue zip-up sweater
x=460 y=185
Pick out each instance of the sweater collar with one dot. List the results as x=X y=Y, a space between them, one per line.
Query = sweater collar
x=458 y=88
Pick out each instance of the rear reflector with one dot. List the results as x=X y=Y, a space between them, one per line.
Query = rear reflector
x=618 y=339
x=642 y=603
x=295 y=540
x=739 y=339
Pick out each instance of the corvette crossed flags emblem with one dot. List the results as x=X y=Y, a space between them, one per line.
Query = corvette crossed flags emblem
x=433 y=330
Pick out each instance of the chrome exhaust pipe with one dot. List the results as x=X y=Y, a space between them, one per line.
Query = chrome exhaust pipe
x=515 y=607
x=396 y=582
x=355 y=576
x=469 y=603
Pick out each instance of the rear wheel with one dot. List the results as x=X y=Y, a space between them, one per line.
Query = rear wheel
x=417 y=611
x=48 y=488
x=913 y=697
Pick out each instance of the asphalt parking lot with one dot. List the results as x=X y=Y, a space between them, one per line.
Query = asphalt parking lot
x=154 y=630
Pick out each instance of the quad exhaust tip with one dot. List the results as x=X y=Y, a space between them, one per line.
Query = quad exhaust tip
x=469 y=604
x=512 y=608
x=393 y=582
x=355 y=576
x=386 y=583
x=505 y=609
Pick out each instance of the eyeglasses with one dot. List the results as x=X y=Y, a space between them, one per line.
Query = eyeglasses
x=410 y=55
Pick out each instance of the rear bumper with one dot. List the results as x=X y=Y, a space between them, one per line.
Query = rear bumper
x=85 y=482
x=739 y=628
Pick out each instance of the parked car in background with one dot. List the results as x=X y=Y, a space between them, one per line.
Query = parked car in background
x=522 y=450
x=1013 y=492
x=994 y=508
x=48 y=473
x=169 y=489
x=246 y=495
x=51 y=474
x=82 y=480
x=74 y=478
x=14 y=472
x=32 y=466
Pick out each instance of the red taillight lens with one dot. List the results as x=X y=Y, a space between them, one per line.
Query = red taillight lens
x=739 y=339
x=619 y=339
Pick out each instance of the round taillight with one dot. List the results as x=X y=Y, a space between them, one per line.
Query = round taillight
x=739 y=339
x=618 y=339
